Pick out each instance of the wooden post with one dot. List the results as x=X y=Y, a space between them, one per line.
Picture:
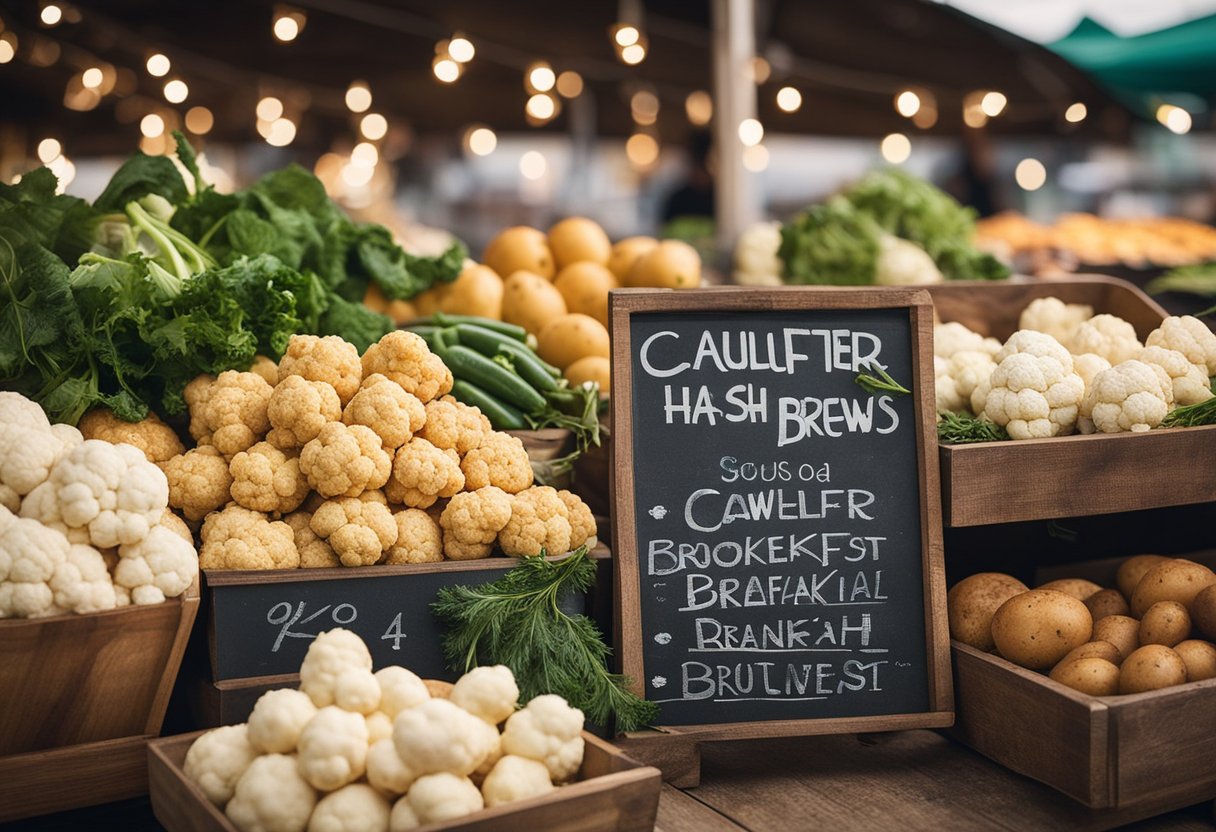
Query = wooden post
x=737 y=199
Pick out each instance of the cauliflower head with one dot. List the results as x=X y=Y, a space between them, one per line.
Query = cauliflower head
x=437 y=735
x=515 y=778
x=476 y=516
x=216 y=761
x=500 y=460
x=267 y=479
x=387 y=409
x=277 y=719
x=406 y=359
x=231 y=412
x=583 y=529
x=379 y=727
x=194 y=394
x=945 y=391
x=400 y=689
x=152 y=436
x=419 y=538
x=1189 y=336
x=549 y=731
x=82 y=583
x=29 y=449
x=1055 y=317
x=315 y=552
x=953 y=337
x=333 y=748
x=903 y=263
x=330 y=359
x=358 y=691
x=1189 y=382
x=359 y=530
x=1087 y=365
x=488 y=692
x=160 y=566
x=298 y=409
x=199 y=482
x=425 y=473
x=1130 y=396
x=756 y=260
x=354 y=808
x=540 y=522
x=111 y=489
x=386 y=771
x=1032 y=397
x=1108 y=336
x=238 y=538
x=272 y=796
x=455 y=425
x=345 y=461
x=329 y=656
x=266 y=367
x=435 y=798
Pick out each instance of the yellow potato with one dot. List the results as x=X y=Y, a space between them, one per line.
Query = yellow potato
x=591 y=368
x=1106 y=602
x=1120 y=630
x=1152 y=667
x=530 y=301
x=585 y=287
x=672 y=264
x=565 y=340
x=1132 y=570
x=626 y=253
x=576 y=239
x=1174 y=580
x=1203 y=611
x=1078 y=588
x=428 y=302
x=973 y=601
x=1092 y=675
x=1038 y=628
x=1199 y=658
x=520 y=248
x=1166 y=622
x=477 y=290
x=1093 y=650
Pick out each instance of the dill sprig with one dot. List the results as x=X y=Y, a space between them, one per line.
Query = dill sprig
x=1193 y=280
x=1192 y=415
x=963 y=428
x=881 y=383
x=518 y=621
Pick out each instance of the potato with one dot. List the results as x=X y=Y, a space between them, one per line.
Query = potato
x=1123 y=631
x=585 y=287
x=399 y=310
x=1203 y=612
x=429 y=301
x=520 y=248
x=1093 y=650
x=1092 y=675
x=1132 y=570
x=577 y=239
x=1199 y=658
x=1151 y=667
x=530 y=301
x=591 y=368
x=1173 y=580
x=1106 y=602
x=672 y=264
x=1078 y=588
x=565 y=340
x=1166 y=622
x=1037 y=628
x=973 y=601
x=477 y=291
x=626 y=253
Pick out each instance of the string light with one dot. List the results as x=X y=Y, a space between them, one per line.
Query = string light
x=373 y=126
x=699 y=107
x=625 y=35
x=1030 y=174
x=993 y=103
x=789 y=99
x=51 y=15
x=1076 y=113
x=446 y=70
x=152 y=125
x=751 y=132
x=199 y=120
x=480 y=140
x=461 y=49
x=540 y=77
x=176 y=91
x=569 y=84
x=357 y=176
x=158 y=65
x=45 y=52
x=532 y=165
x=896 y=148
x=269 y=108
x=1175 y=119
x=973 y=111
x=761 y=70
x=907 y=103
x=365 y=153
x=358 y=97
x=8 y=47
x=64 y=171
x=282 y=132
x=541 y=107
x=644 y=106
x=92 y=78
x=49 y=150
x=642 y=149
x=633 y=54
x=755 y=158
x=288 y=23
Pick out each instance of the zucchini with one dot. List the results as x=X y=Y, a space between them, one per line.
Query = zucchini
x=490 y=376
x=501 y=415
x=517 y=333
x=527 y=364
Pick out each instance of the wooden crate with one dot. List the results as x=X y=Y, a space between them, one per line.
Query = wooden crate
x=81 y=694
x=612 y=793
x=1067 y=476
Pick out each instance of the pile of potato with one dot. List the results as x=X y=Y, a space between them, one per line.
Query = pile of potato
x=1154 y=631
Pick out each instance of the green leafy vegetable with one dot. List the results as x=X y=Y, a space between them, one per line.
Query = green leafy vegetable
x=963 y=428
x=830 y=244
x=518 y=621
x=1192 y=415
x=877 y=380
x=1192 y=280
x=139 y=176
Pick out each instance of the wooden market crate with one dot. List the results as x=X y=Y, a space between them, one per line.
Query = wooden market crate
x=81 y=695
x=612 y=793
x=1067 y=476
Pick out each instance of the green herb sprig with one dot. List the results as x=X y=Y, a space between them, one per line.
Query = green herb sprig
x=880 y=383
x=1192 y=415
x=517 y=621
x=963 y=428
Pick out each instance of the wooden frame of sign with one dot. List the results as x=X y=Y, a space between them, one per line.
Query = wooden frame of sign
x=672 y=742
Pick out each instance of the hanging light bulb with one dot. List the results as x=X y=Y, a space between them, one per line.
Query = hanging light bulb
x=1076 y=113
x=269 y=108
x=49 y=150
x=358 y=97
x=569 y=84
x=152 y=125
x=993 y=103
x=896 y=148
x=533 y=165
x=1030 y=174
x=699 y=107
x=282 y=132
x=158 y=65
x=624 y=35
x=480 y=140
x=446 y=70
x=92 y=78
x=751 y=132
x=373 y=126
x=789 y=99
x=541 y=107
x=907 y=104
x=199 y=120
x=288 y=23
x=461 y=49
x=51 y=15
x=176 y=91
x=540 y=77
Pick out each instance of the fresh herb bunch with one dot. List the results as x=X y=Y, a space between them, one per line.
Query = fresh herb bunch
x=1193 y=280
x=1192 y=415
x=880 y=383
x=963 y=428
x=517 y=621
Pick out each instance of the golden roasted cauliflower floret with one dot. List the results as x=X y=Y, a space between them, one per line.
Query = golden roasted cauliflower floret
x=455 y=425
x=199 y=482
x=386 y=408
x=152 y=436
x=298 y=409
x=406 y=359
x=540 y=522
x=425 y=473
x=232 y=411
x=330 y=359
x=583 y=529
x=500 y=460
x=315 y=552
x=238 y=538
x=266 y=367
x=195 y=393
x=476 y=516
x=267 y=479
x=345 y=461
x=359 y=530
x=419 y=539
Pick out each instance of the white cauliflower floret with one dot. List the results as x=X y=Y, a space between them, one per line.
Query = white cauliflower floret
x=903 y=263
x=1188 y=381
x=30 y=554
x=1189 y=336
x=329 y=656
x=437 y=735
x=953 y=337
x=957 y=377
x=1055 y=317
x=111 y=489
x=1108 y=336
x=756 y=260
x=385 y=769
x=489 y=693
x=357 y=691
x=583 y=528
x=1033 y=392
x=333 y=748
x=1131 y=396
x=42 y=504
x=379 y=727
x=29 y=450
x=217 y=760
x=272 y=796
x=515 y=778
x=550 y=731
x=277 y=719
x=82 y=583
x=160 y=566
x=435 y=798
x=354 y=808
x=945 y=391
x=16 y=409
x=1087 y=365
x=400 y=689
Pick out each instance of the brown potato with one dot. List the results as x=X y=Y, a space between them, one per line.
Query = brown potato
x=477 y=290
x=566 y=339
x=1203 y=611
x=1166 y=622
x=1132 y=570
x=626 y=253
x=531 y=301
x=1199 y=658
x=672 y=264
x=1092 y=675
x=585 y=287
x=1120 y=630
x=973 y=601
x=1174 y=580
x=591 y=368
x=578 y=239
x=1151 y=667
x=1078 y=588
x=1093 y=650
x=520 y=248
x=1106 y=602
x=1037 y=628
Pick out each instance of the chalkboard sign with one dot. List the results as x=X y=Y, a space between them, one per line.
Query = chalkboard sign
x=263 y=622
x=777 y=526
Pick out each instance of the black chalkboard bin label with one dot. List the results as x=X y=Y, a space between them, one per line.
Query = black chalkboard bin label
x=778 y=526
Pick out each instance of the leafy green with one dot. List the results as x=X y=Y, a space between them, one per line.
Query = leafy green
x=354 y=322
x=398 y=273
x=830 y=243
x=518 y=621
x=963 y=428
x=32 y=212
x=1193 y=280
x=1192 y=415
x=139 y=176
x=877 y=380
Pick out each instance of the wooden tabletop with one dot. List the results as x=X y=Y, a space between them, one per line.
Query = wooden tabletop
x=908 y=781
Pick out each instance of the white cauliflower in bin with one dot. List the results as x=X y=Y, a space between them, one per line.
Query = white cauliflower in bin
x=1087 y=365
x=1188 y=381
x=30 y=554
x=217 y=760
x=904 y=263
x=515 y=778
x=435 y=798
x=955 y=337
x=945 y=390
x=756 y=260
x=488 y=692
x=386 y=770
x=272 y=796
x=1189 y=336
x=956 y=378
x=1055 y=317
x=277 y=719
x=354 y=808
x=30 y=448
x=1108 y=336
x=439 y=736
x=1130 y=396
x=1034 y=393
x=550 y=731
x=333 y=748
x=330 y=655
x=379 y=727
x=160 y=566
x=358 y=691
x=400 y=689
x=82 y=583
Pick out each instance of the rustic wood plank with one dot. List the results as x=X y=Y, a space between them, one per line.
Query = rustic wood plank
x=683 y=812
x=59 y=779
